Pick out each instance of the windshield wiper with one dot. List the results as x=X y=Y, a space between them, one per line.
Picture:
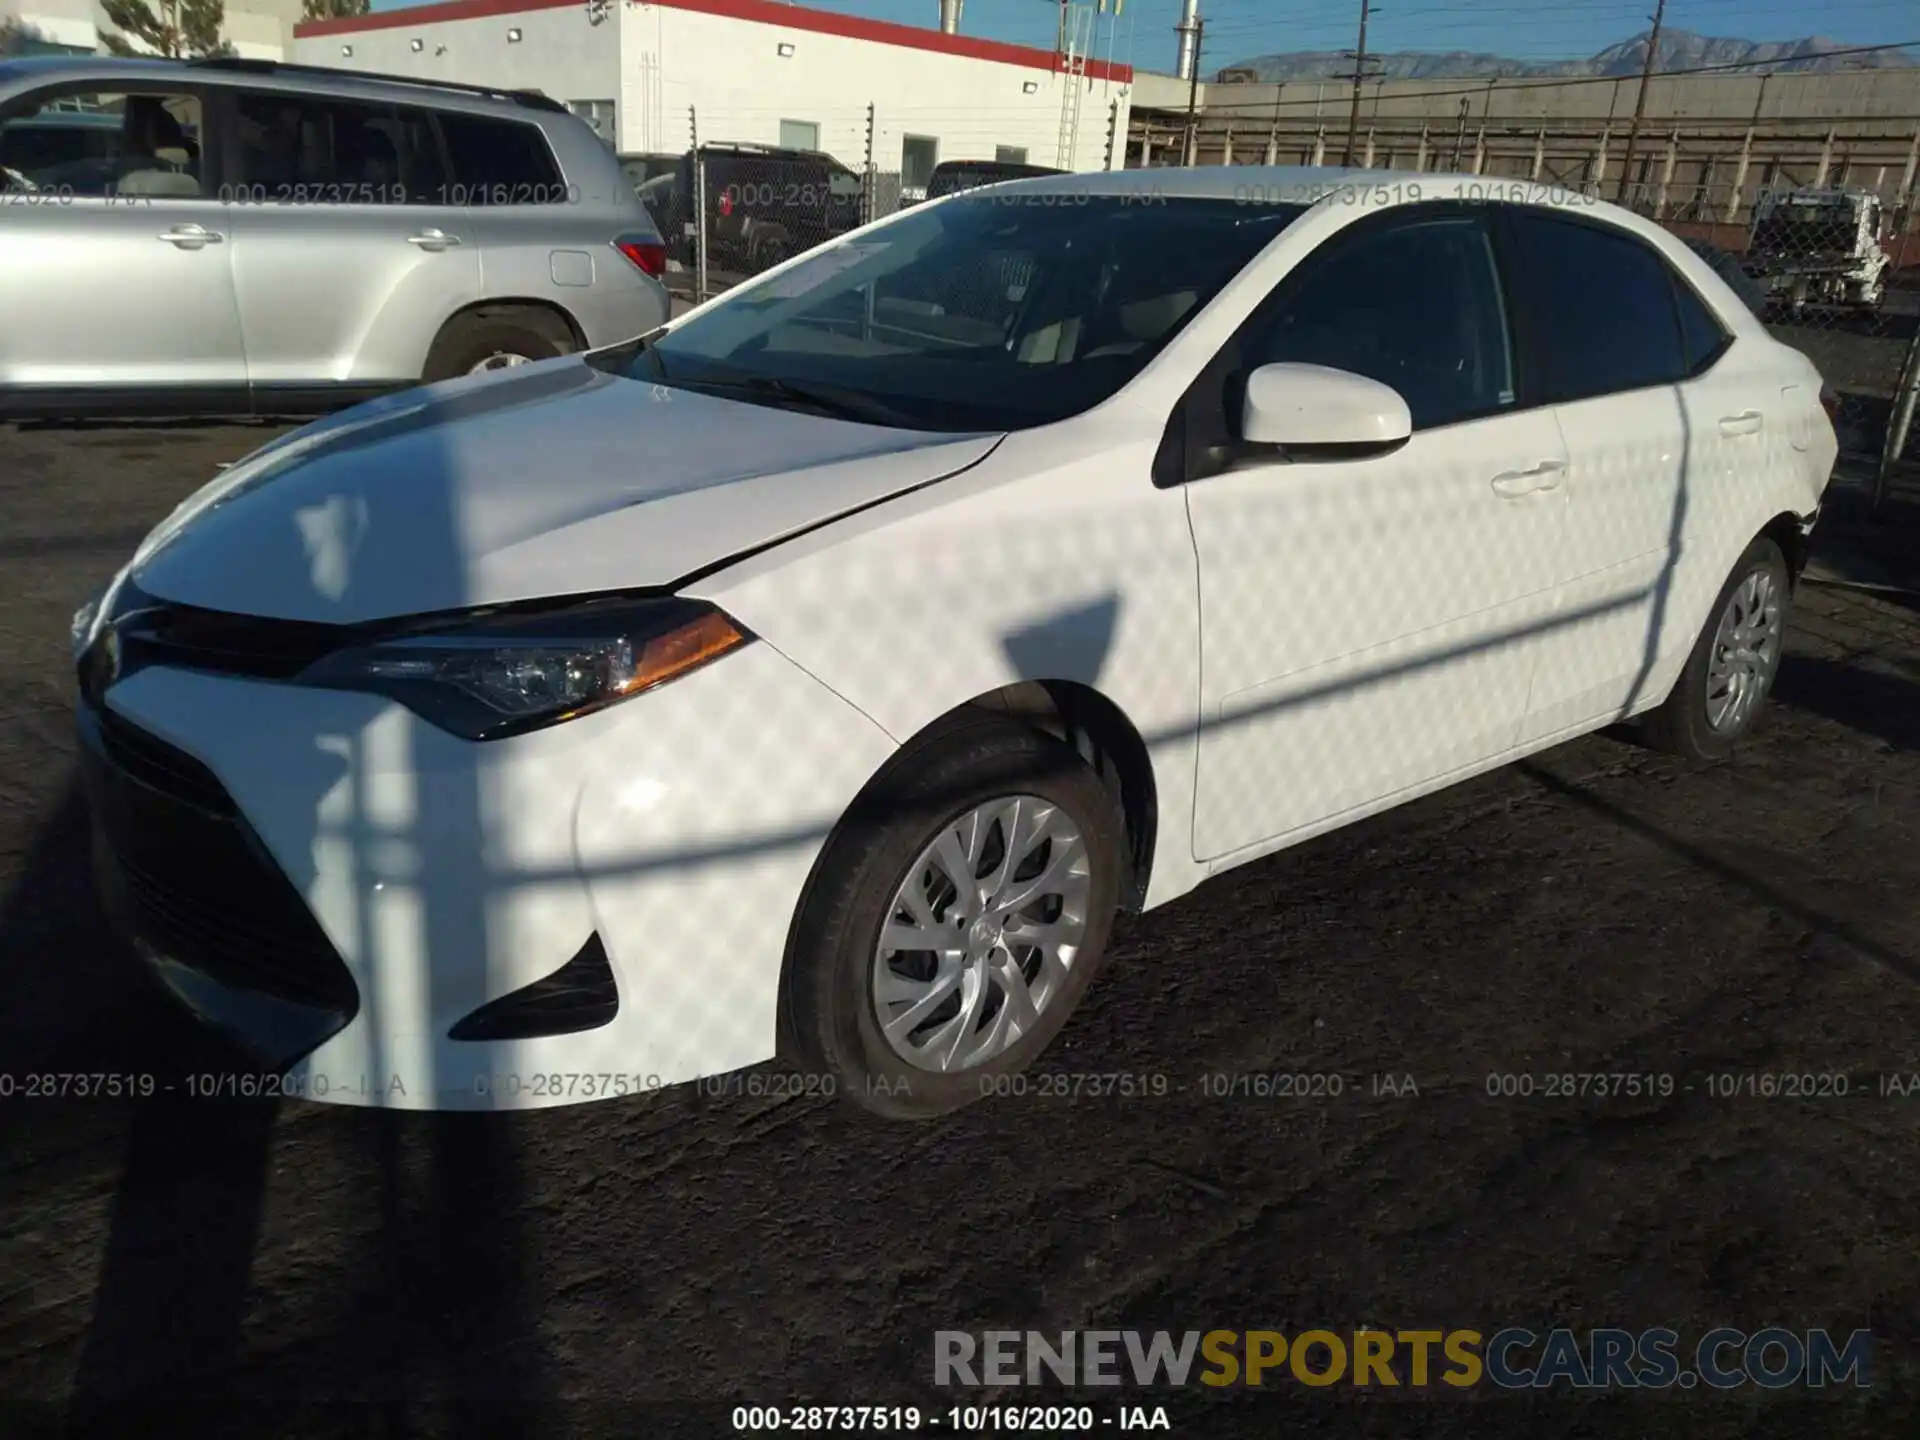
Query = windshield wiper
x=826 y=399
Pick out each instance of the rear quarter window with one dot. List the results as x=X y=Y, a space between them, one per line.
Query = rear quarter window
x=1705 y=339
x=501 y=162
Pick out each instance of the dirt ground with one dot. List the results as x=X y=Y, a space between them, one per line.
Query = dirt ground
x=1600 y=909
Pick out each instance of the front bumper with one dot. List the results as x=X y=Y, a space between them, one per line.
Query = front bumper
x=338 y=885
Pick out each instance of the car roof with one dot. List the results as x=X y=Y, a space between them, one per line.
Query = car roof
x=1309 y=184
x=36 y=70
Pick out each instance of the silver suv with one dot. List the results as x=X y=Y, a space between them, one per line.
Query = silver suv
x=246 y=237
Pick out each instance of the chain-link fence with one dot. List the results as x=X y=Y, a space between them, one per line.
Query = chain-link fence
x=730 y=212
x=730 y=209
x=1835 y=272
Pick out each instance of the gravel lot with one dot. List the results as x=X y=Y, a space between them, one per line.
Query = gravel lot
x=1599 y=909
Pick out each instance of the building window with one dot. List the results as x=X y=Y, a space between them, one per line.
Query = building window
x=598 y=114
x=799 y=135
x=1010 y=154
x=918 y=155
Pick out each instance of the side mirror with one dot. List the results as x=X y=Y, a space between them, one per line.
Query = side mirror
x=1313 y=406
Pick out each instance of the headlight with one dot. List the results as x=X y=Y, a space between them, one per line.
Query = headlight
x=81 y=634
x=503 y=674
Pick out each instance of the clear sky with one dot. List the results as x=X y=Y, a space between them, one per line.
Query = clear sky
x=1547 y=30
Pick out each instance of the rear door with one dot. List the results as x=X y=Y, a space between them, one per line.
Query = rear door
x=519 y=205
x=1604 y=345
x=115 y=262
x=348 y=251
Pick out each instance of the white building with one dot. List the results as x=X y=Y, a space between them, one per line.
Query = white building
x=257 y=29
x=648 y=71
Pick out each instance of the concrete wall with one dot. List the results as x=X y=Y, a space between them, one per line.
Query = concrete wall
x=734 y=77
x=663 y=64
x=563 y=51
x=1859 y=93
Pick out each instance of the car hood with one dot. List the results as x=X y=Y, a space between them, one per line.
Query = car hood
x=544 y=481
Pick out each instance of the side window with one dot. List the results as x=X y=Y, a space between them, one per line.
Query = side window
x=99 y=143
x=299 y=149
x=500 y=162
x=1416 y=306
x=1599 y=305
x=1701 y=332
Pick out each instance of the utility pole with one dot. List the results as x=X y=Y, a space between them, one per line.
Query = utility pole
x=1640 y=101
x=1197 y=32
x=1360 y=74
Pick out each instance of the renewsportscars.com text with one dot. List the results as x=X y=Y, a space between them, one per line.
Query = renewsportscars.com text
x=1511 y=1358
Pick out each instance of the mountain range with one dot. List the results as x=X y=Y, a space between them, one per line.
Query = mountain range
x=1679 y=50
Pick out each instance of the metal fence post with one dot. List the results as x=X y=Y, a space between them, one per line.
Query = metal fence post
x=699 y=210
x=1900 y=421
x=869 y=204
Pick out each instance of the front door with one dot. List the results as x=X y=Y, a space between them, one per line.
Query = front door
x=116 y=266
x=1369 y=625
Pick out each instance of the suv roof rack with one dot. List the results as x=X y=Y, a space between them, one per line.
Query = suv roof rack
x=752 y=147
x=532 y=99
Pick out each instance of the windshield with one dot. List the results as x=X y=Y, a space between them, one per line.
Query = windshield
x=984 y=312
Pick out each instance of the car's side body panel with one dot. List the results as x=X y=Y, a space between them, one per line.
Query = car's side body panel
x=908 y=610
x=917 y=606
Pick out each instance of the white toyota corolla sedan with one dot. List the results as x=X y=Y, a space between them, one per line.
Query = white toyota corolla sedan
x=818 y=676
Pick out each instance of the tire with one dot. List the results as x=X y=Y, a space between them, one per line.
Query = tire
x=831 y=999
x=768 y=253
x=468 y=341
x=1684 y=724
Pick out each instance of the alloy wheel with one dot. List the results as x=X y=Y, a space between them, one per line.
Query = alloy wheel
x=499 y=360
x=982 y=933
x=1746 y=652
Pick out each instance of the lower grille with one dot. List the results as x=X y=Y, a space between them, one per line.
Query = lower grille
x=191 y=878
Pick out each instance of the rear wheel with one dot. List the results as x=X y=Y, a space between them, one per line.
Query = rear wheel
x=475 y=343
x=957 y=919
x=1718 y=696
x=769 y=251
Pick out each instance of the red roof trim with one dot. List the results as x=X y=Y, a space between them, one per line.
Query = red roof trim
x=760 y=12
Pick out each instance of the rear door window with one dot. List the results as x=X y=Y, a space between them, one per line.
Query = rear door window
x=292 y=149
x=1599 y=305
x=500 y=162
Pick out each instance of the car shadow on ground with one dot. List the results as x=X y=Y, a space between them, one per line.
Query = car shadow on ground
x=1868 y=700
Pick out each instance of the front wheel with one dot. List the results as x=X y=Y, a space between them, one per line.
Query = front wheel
x=955 y=922
x=1718 y=696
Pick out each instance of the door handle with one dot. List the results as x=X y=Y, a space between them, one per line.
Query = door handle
x=191 y=237
x=434 y=240
x=1513 y=484
x=1745 y=423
